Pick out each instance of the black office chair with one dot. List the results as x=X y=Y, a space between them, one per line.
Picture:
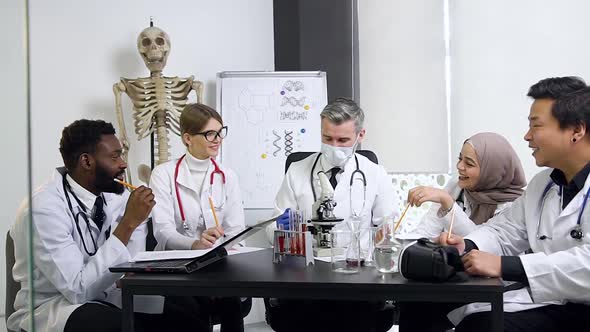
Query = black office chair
x=300 y=155
x=389 y=315
x=12 y=287
x=150 y=240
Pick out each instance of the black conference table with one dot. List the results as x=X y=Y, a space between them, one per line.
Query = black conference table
x=254 y=275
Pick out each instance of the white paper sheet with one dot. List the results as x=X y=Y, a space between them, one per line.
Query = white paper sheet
x=169 y=254
x=185 y=254
x=242 y=250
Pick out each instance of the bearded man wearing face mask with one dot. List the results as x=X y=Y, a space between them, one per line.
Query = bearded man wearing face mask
x=342 y=132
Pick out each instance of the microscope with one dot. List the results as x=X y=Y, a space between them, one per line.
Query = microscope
x=323 y=219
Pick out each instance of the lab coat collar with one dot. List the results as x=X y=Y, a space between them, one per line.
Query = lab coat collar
x=326 y=166
x=576 y=203
x=579 y=179
x=86 y=197
x=184 y=176
x=349 y=167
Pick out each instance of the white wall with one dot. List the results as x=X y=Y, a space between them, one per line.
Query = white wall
x=498 y=50
x=13 y=95
x=80 y=48
x=402 y=84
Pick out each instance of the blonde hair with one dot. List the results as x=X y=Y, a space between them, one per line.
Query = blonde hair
x=194 y=118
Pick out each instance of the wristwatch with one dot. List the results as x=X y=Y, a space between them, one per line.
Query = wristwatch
x=443 y=212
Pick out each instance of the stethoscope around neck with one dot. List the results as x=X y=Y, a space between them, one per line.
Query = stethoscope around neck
x=76 y=216
x=216 y=170
x=358 y=171
x=576 y=233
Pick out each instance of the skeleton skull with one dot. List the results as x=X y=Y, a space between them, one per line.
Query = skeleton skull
x=154 y=46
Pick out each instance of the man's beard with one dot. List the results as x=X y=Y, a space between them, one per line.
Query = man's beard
x=105 y=182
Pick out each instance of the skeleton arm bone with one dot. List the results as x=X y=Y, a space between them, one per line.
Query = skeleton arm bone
x=198 y=87
x=119 y=88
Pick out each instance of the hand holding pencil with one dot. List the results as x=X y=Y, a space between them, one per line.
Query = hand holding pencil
x=399 y=222
x=208 y=238
x=451 y=225
x=448 y=239
x=130 y=186
x=212 y=206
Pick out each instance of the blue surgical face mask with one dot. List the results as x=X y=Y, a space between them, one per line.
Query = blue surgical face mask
x=338 y=155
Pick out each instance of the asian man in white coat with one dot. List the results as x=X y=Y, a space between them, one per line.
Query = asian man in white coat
x=551 y=219
x=342 y=131
x=83 y=223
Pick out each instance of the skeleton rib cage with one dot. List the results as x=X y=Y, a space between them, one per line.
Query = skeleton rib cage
x=157 y=102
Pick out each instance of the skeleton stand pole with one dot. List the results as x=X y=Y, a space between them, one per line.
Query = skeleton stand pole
x=152 y=150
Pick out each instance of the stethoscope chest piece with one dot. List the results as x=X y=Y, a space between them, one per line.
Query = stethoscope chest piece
x=576 y=233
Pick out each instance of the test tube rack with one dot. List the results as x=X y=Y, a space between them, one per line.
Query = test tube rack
x=292 y=243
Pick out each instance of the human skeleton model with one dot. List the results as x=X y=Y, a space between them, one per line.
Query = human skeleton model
x=157 y=100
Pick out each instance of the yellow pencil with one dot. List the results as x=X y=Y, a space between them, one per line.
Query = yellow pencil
x=451 y=226
x=399 y=222
x=130 y=186
x=213 y=211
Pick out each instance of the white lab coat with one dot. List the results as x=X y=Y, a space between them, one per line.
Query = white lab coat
x=432 y=223
x=296 y=192
x=168 y=227
x=64 y=275
x=558 y=268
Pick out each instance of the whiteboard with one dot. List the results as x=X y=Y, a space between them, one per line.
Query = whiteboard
x=269 y=115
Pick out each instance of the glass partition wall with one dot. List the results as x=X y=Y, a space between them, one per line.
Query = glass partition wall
x=15 y=167
x=75 y=57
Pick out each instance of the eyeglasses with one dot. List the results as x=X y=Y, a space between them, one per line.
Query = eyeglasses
x=212 y=135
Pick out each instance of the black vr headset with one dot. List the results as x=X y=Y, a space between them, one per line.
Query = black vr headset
x=425 y=260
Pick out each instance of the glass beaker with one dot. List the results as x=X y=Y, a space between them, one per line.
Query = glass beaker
x=346 y=254
x=387 y=247
x=367 y=242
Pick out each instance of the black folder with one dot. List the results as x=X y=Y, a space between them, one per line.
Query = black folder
x=189 y=265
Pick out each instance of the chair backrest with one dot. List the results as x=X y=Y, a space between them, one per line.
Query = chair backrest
x=369 y=155
x=12 y=287
x=297 y=156
x=150 y=240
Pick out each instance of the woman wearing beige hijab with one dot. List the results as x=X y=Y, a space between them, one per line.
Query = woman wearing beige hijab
x=490 y=179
